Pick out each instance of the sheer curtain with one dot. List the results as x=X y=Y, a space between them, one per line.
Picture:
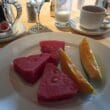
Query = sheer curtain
x=77 y=4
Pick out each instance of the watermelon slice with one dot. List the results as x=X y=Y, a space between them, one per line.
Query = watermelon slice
x=30 y=68
x=55 y=85
x=52 y=47
x=34 y=57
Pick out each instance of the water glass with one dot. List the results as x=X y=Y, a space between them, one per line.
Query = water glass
x=62 y=12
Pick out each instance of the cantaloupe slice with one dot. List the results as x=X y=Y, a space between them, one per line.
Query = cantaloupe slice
x=69 y=67
x=88 y=61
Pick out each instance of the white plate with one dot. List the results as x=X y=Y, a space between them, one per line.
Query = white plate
x=12 y=96
x=76 y=27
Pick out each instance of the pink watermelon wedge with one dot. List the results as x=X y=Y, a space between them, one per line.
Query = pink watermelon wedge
x=52 y=47
x=55 y=85
x=30 y=68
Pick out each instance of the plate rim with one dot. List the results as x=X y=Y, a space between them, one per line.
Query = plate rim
x=71 y=34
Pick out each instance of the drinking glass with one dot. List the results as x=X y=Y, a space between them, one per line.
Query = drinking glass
x=38 y=28
x=62 y=12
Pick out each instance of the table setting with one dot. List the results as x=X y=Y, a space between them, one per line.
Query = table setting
x=54 y=55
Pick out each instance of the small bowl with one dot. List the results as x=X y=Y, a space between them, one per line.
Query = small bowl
x=4 y=26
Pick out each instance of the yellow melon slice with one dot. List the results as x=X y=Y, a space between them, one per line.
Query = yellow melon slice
x=88 y=61
x=74 y=73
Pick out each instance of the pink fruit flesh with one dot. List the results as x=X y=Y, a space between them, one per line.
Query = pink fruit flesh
x=31 y=68
x=52 y=47
x=55 y=85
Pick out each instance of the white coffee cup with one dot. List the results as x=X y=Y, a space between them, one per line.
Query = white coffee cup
x=92 y=17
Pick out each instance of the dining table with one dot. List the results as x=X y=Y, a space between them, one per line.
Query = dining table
x=48 y=21
x=22 y=62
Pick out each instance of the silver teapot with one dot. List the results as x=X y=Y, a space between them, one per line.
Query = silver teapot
x=6 y=14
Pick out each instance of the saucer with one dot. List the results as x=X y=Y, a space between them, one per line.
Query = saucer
x=17 y=32
x=74 y=23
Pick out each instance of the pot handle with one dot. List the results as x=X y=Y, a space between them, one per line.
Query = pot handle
x=105 y=22
x=18 y=9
